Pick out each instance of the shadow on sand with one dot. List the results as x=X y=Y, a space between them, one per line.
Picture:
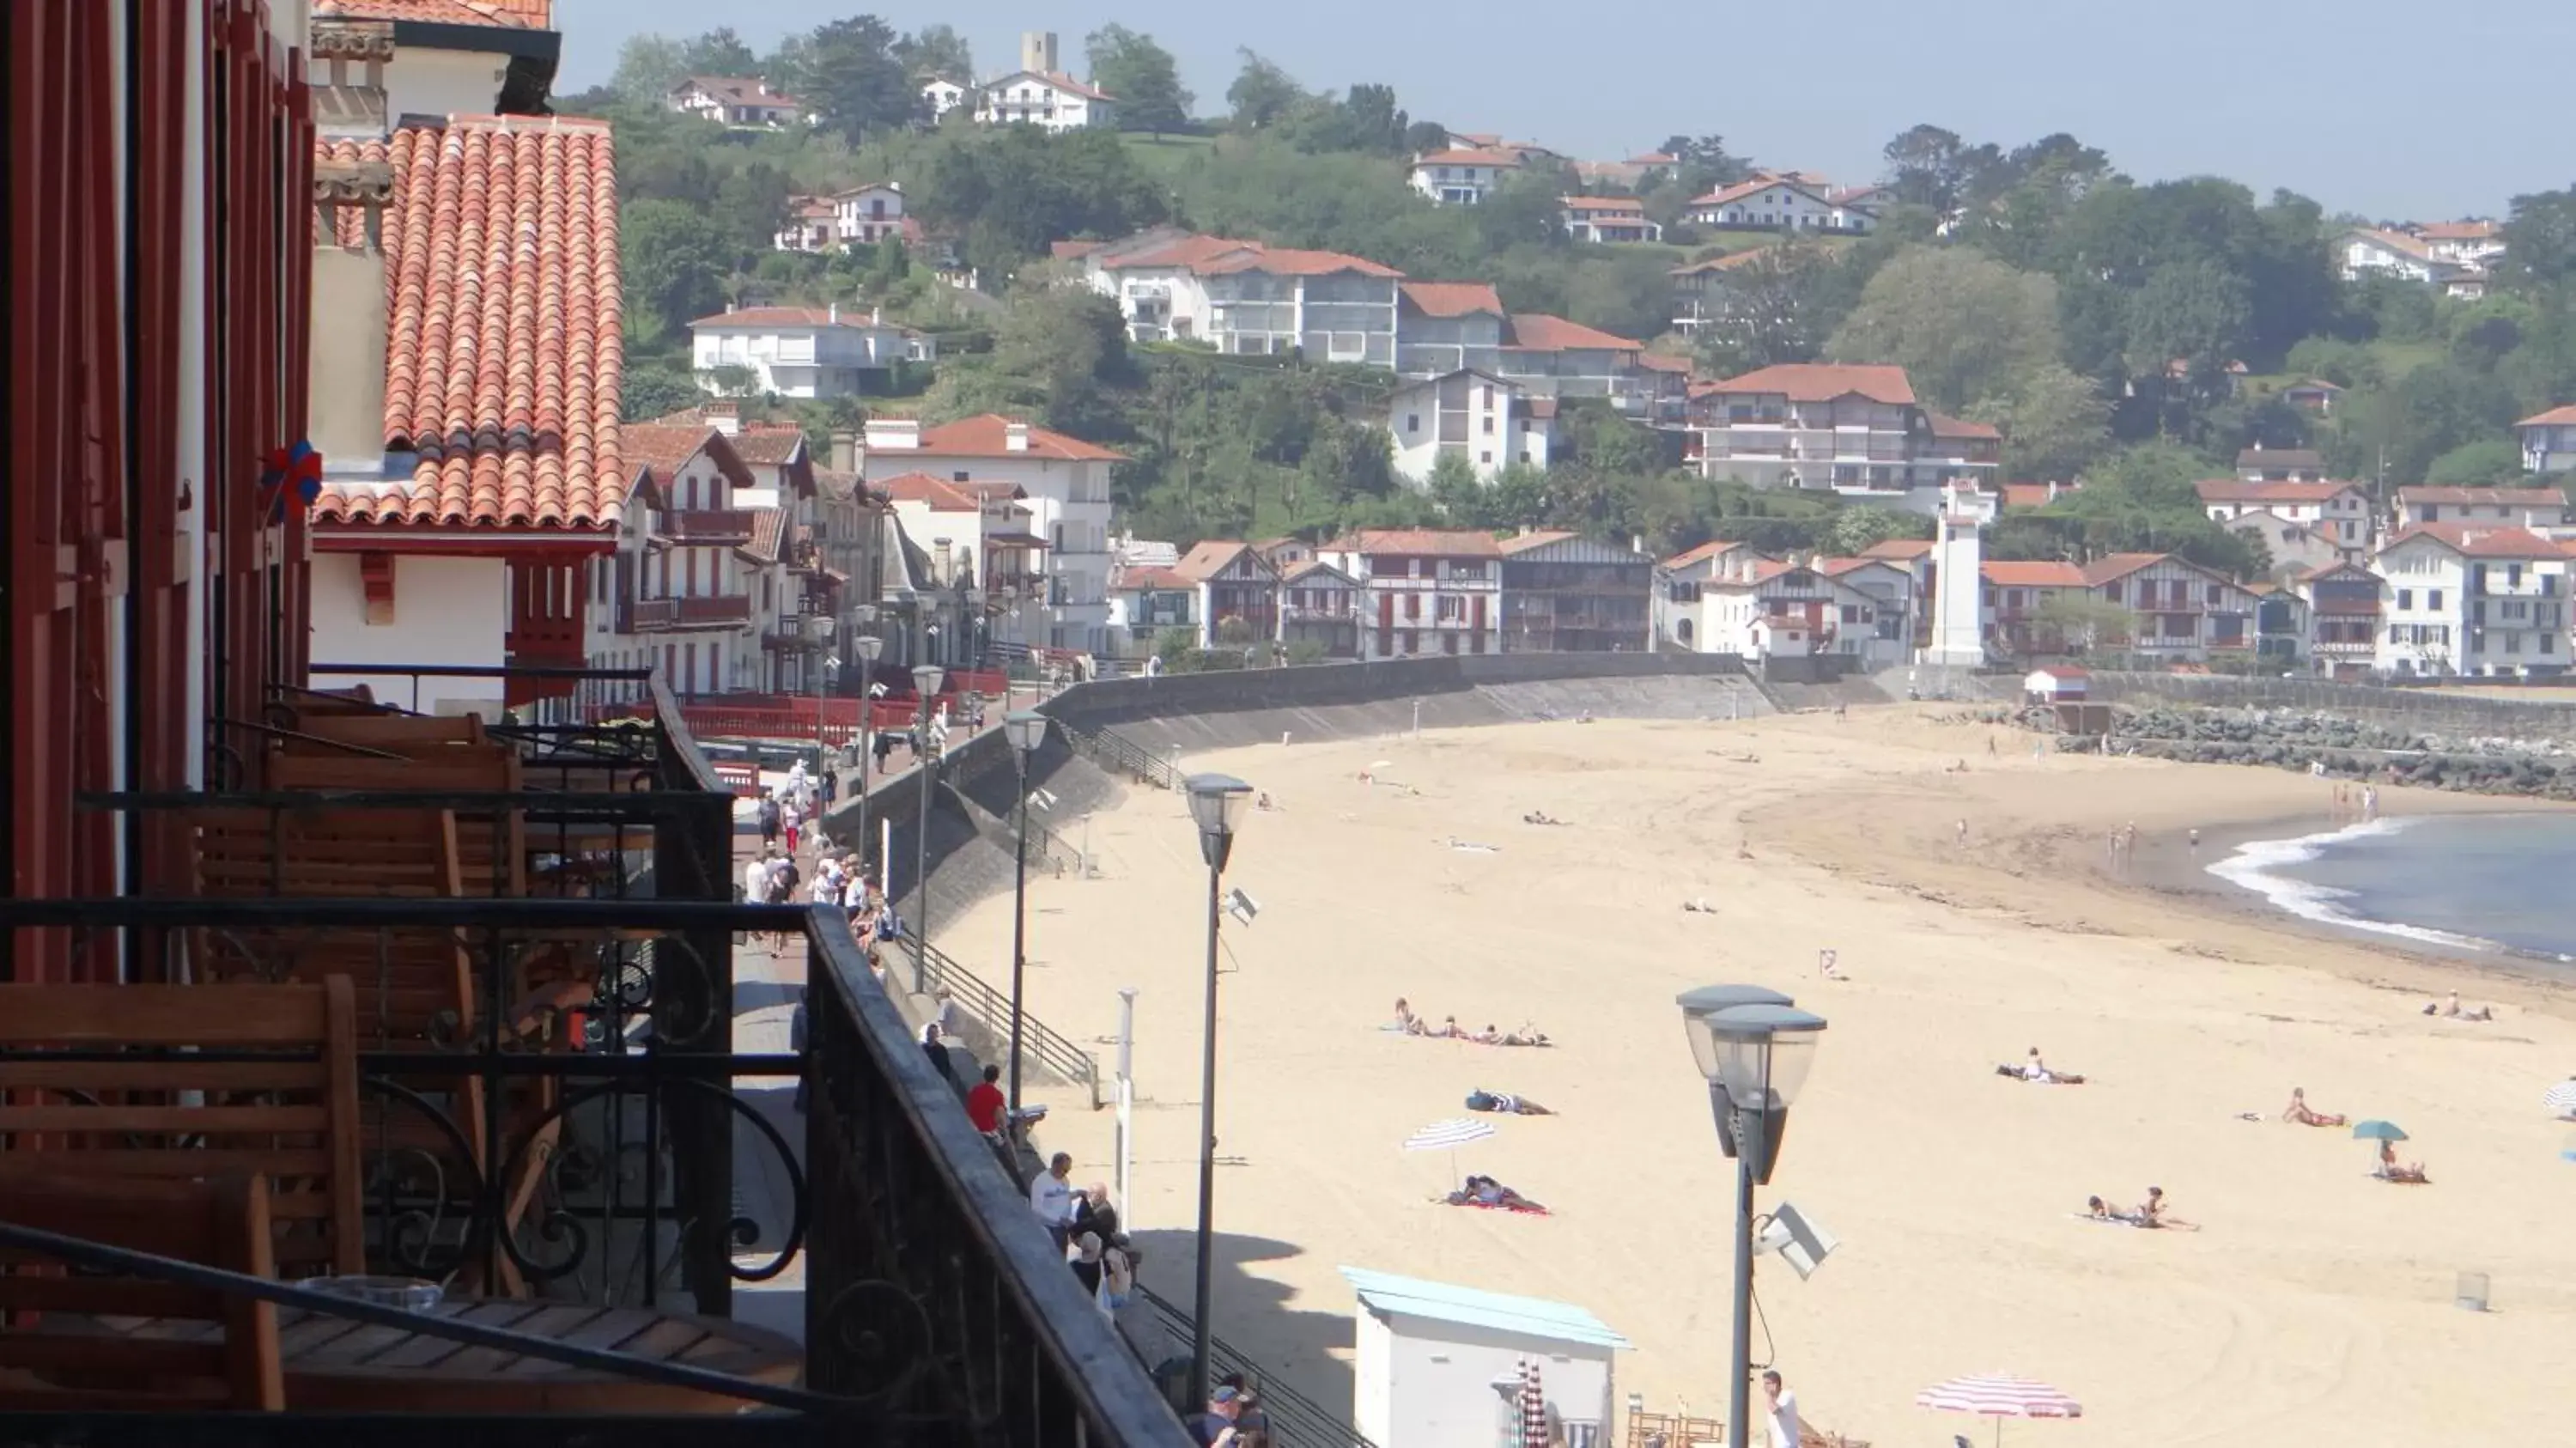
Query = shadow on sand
x=1282 y=1345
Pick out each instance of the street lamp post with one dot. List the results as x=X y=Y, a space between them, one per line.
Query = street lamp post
x=1216 y=804
x=1754 y=1047
x=867 y=647
x=926 y=679
x=1027 y=730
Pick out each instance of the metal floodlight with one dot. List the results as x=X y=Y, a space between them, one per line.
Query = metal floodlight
x=832 y=661
x=868 y=646
x=1241 y=906
x=1043 y=798
x=1801 y=1243
x=1217 y=802
x=1028 y=730
x=876 y=691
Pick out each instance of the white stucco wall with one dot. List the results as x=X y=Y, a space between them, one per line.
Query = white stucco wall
x=442 y=83
x=446 y=611
x=1438 y=1381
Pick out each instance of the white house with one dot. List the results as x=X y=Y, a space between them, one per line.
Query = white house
x=866 y=215
x=2494 y=507
x=1439 y=1366
x=459 y=66
x=1423 y=590
x=811 y=225
x=940 y=95
x=2548 y=440
x=1607 y=219
x=982 y=541
x=1682 y=582
x=2378 y=251
x=1063 y=481
x=2463 y=243
x=1486 y=419
x=1884 y=635
x=1780 y=203
x=735 y=100
x=2259 y=464
x=679 y=593
x=803 y=351
x=1856 y=430
x=1459 y=177
x=2179 y=610
x=2339 y=513
x=2457 y=599
x=1049 y=100
x=1767 y=608
x=1247 y=297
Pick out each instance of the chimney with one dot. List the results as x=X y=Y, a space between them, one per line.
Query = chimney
x=845 y=452
x=723 y=415
x=1015 y=435
x=350 y=90
x=834 y=313
x=732 y=306
x=345 y=381
x=876 y=316
x=1037 y=51
x=2052 y=490
x=941 y=570
x=894 y=434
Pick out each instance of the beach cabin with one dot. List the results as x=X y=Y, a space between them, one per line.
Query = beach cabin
x=2056 y=684
x=1439 y=1365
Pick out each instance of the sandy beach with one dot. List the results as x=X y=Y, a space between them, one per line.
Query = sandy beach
x=2315 y=1306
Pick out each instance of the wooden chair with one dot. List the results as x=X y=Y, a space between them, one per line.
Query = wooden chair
x=163 y=1116
x=52 y=1355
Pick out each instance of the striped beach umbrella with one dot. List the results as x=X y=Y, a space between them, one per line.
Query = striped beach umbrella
x=1533 y=1407
x=1448 y=1135
x=2561 y=1099
x=1999 y=1396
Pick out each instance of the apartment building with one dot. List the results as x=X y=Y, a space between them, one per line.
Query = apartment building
x=2259 y=464
x=1856 y=430
x=1462 y=177
x=2016 y=612
x=2457 y=262
x=2343 y=602
x=2180 y=611
x=1246 y=297
x=1063 y=481
x=1236 y=591
x=2493 y=507
x=2337 y=513
x=1488 y=421
x=2548 y=440
x=982 y=544
x=1422 y=590
x=2481 y=602
x=1565 y=593
x=1318 y=608
x=681 y=591
x=1049 y=100
x=806 y=352
x=866 y=215
x=1607 y=220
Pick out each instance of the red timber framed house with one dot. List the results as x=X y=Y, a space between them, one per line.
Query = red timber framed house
x=156 y=180
x=465 y=388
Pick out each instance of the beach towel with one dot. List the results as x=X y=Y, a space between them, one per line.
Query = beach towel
x=1499 y=1207
x=2107 y=1221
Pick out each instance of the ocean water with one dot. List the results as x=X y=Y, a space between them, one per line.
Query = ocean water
x=2487 y=883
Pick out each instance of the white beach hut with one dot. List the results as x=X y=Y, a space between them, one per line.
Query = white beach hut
x=1431 y=1354
x=2057 y=684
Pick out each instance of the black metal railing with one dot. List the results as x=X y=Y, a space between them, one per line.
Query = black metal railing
x=1119 y=754
x=1296 y=1421
x=1053 y=1053
x=935 y=1307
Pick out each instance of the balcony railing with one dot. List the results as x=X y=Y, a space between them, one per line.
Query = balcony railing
x=708 y=525
x=713 y=610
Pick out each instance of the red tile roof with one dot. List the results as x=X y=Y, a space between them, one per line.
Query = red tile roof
x=1416 y=542
x=1226 y=255
x=2237 y=490
x=772 y=534
x=2120 y=565
x=2009 y=573
x=1958 y=427
x=1624 y=205
x=793 y=317
x=658 y=451
x=2505 y=497
x=1157 y=578
x=505 y=14
x=737 y=90
x=1468 y=158
x=1754 y=187
x=1715 y=548
x=1524 y=542
x=2458 y=230
x=1837 y=567
x=1299 y=573
x=1899 y=549
x=1451 y=299
x=1207 y=559
x=2554 y=417
x=1539 y=332
x=1729 y=262
x=947 y=495
x=2481 y=541
x=505 y=336
x=1663 y=362
x=2029 y=495
x=768 y=446
x=1822 y=382
x=987 y=437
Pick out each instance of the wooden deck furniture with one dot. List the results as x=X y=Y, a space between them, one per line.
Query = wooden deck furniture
x=161 y=1116
x=335 y=1365
x=214 y=1350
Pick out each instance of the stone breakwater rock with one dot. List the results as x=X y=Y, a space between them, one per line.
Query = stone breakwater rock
x=2346 y=748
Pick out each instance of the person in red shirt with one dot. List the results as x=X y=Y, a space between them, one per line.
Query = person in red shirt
x=985 y=1103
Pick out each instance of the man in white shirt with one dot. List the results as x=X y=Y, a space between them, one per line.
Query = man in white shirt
x=755 y=881
x=1780 y=1410
x=1051 y=1195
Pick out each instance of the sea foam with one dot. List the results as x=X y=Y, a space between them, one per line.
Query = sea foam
x=2256 y=864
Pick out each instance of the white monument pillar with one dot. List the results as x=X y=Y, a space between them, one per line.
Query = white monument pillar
x=1958 y=615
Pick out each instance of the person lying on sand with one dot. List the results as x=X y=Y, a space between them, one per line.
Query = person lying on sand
x=1447 y=1030
x=1263 y=803
x=1405 y=1020
x=1486 y=1037
x=2037 y=1073
x=2451 y=1009
x=1540 y=817
x=1699 y=906
x=1505 y=1103
x=2391 y=1170
x=1522 y=1037
x=2155 y=1212
x=2100 y=1211
x=2298 y=1111
x=1484 y=1191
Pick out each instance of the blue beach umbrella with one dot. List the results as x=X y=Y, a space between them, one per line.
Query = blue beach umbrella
x=2378 y=1131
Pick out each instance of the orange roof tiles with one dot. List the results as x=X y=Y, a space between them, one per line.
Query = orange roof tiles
x=1960 y=427
x=941 y=495
x=1225 y=255
x=2010 y=573
x=1417 y=542
x=2554 y=417
x=2236 y=490
x=1207 y=559
x=1623 y=205
x=2030 y=495
x=1468 y=158
x=2121 y=565
x=1664 y=362
x=988 y=436
x=2502 y=497
x=1822 y=382
x=1899 y=550
x=660 y=450
x=2481 y=541
x=1524 y=542
x=2458 y=230
x=1729 y=262
x=1451 y=299
x=1539 y=332
x=1715 y=548
x=503 y=14
x=505 y=329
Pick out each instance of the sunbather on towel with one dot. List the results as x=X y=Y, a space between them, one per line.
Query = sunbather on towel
x=2299 y=1111
x=2100 y=1211
x=1506 y=1103
x=1522 y=1037
x=1484 y=1191
x=2391 y=1170
x=2037 y=1073
x=1405 y=1020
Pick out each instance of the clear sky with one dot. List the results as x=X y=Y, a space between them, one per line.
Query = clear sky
x=2389 y=108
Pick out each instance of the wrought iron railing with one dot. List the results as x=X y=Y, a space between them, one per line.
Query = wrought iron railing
x=1119 y=754
x=1049 y=1048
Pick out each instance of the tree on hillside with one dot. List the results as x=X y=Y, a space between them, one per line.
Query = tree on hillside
x=1962 y=325
x=1767 y=314
x=1142 y=76
x=2191 y=311
x=718 y=52
x=1925 y=167
x=935 y=52
x=673 y=260
x=647 y=67
x=1855 y=530
x=2488 y=462
x=1008 y=191
x=2540 y=239
x=847 y=72
x=1262 y=94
